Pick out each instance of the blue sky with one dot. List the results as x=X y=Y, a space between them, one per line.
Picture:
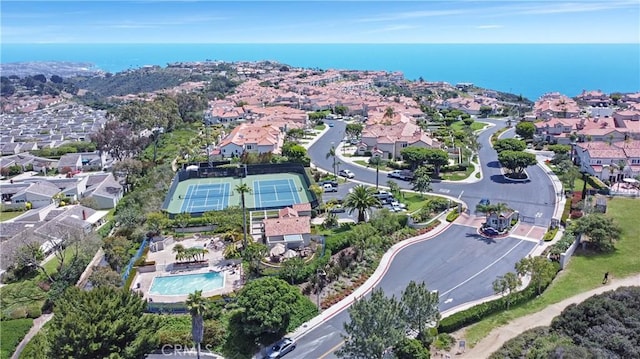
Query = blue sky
x=192 y=21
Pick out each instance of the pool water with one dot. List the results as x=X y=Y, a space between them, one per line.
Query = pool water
x=186 y=283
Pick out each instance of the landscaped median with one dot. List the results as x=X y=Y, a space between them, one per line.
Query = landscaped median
x=584 y=272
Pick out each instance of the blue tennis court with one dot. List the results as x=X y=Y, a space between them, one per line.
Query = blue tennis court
x=205 y=197
x=275 y=193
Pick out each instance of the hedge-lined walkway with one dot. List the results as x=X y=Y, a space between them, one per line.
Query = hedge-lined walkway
x=499 y=336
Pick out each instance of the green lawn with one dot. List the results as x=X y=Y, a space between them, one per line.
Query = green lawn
x=5 y=216
x=366 y=164
x=459 y=175
x=319 y=127
x=12 y=332
x=459 y=125
x=584 y=272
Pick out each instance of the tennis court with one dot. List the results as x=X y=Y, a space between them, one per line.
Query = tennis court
x=268 y=191
x=206 y=197
x=275 y=193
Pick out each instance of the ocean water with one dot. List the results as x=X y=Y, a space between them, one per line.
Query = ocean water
x=527 y=69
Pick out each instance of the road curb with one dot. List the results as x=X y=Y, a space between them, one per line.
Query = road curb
x=370 y=284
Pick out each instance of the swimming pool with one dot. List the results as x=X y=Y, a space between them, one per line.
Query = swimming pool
x=186 y=283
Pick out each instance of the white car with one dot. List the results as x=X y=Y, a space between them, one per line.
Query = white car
x=346 y=173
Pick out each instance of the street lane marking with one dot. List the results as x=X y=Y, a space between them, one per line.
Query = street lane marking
x=448 y=300
x=443 y=190
x=538 y=214
x=331 y=350
x=483 y=269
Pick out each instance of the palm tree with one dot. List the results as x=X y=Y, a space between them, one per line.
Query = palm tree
x=197 y=306
x=242 y=189
x=332 y=154
x=179 y=249
x=389 y=112
x=361 y=199
x=394 y=188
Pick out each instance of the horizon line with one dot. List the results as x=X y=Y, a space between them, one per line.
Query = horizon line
x=320 y=43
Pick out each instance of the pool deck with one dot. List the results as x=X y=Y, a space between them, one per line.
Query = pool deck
x=165 y=259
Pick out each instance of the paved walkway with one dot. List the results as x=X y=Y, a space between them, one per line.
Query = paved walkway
x=38 y=323
x=499 y=336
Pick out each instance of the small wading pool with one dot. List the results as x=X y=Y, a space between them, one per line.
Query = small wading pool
x=186 y=283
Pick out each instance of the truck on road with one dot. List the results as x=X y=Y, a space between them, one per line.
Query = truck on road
x=404 y=175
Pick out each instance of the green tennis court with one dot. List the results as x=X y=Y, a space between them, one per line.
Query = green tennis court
x=199 y=195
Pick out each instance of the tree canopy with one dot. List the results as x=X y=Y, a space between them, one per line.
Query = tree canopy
x=105 y=322
x=267 y=305
x=421 y=180
x=414 y=156
x=603 y=326
x=516 y=161
x=526 y=129
x=376 y=325
x=602 y=231
x=509 y=144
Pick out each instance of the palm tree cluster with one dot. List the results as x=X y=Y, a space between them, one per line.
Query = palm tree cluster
x=189 y=254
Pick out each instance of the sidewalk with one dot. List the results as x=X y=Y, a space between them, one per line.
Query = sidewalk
x=38 y=323
x=499 y=336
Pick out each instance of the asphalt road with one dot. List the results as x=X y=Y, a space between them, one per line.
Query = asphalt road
x=458 y=263
x=533 y=199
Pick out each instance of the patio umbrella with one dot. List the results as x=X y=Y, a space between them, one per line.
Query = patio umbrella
x=290 y=254
x=278 y=250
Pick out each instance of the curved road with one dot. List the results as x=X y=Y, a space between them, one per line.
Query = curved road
x=458 y=263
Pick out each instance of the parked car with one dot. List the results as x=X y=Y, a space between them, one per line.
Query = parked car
x=330 y=182
x=484 y=202
x=327 y=187
x=404 y=175
x=280 y=348
x=338 y=209
x=346 y=173
x=490 y=231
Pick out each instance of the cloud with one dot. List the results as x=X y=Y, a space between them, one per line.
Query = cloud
x=411 y=15
x=489 y=26
x=573 y=7
x=392 y=28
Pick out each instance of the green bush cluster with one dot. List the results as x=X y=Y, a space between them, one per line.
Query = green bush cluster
x=551 y=234
x=452 y=215
x=483 y=310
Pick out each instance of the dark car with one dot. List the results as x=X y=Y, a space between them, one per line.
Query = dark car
x=280 y=348
x=490 y=231
x=484 y=202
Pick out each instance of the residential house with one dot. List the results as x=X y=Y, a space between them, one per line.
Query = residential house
x=291 y=228
x=252 y=138
x=82 y=161
x=391 y=135
x=39 y=194
x=594 y=98
x=104 y=189
x=555 y=105
x=610 y=162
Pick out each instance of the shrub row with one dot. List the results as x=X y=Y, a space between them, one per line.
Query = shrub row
x=452 y=215
x=596 y=183
x=483 y=310
x=551 y=234
x=565 y=213
x=335 y=298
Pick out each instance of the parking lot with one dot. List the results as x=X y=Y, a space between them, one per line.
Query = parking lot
x=343 y=190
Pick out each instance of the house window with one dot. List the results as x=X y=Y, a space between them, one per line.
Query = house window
x=404 y=145
x=635 y=161
x=249 y=147
x=598 y=162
